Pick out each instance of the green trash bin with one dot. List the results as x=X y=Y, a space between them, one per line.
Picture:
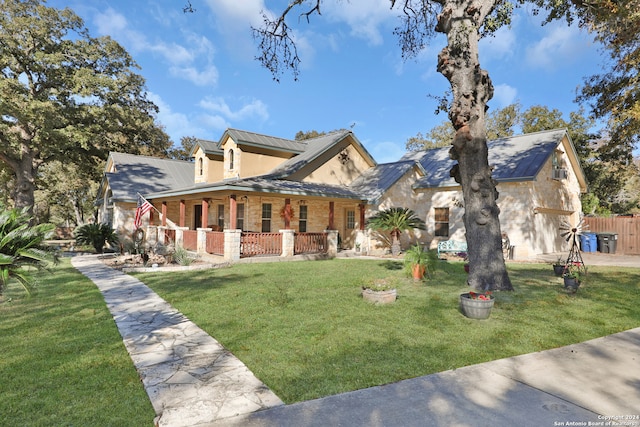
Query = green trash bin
x=607 y=243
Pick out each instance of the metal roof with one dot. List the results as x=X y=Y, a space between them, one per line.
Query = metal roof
x=242 y=137
x=515 y=158
x=373 y=183
x=143 y=174
x=209 y=147
x=266 y=185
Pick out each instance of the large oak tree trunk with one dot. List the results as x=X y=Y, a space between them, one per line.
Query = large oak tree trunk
x=472 y=89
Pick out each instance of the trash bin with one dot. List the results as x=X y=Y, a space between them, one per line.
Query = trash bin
x=588 y=242
x=607 y=243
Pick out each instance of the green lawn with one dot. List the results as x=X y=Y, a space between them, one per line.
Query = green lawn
x=304 y=330
x=63 y=362
x=301 y=327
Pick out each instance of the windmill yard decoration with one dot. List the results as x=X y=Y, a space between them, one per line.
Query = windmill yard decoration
x=571 y=235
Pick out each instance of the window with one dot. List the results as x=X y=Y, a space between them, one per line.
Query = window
x=231 y=160
x=303 y=219
x=442 y=222
x=221 y=216
x=266 y=217
x=240 y=216
x=200 y=166
x=351 y=220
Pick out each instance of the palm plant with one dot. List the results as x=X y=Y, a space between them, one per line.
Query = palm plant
x=21 y=248
x=96 y=235
x=395 y=221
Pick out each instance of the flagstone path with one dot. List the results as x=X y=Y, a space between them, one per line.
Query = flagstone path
x=190 y=378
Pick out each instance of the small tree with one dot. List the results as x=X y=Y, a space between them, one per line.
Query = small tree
x=395 y=221
x=21 y=248
x=96 y=235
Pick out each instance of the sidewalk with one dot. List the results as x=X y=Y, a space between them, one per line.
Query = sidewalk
x=189 y=377
x=193 y=381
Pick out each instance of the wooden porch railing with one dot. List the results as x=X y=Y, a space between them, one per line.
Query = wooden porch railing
x=215 y=243
x=310 y=243
x=190 y=240
x=169 y=236
x=252 y=244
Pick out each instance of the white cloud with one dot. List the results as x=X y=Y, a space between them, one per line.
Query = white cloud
x=504 y=95
x=177 y=125
x=498 y=47
x=194 y=63
x=562 y=45
x=254 y=110
x=364 y=17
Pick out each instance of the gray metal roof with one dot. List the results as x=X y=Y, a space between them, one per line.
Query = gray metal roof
x=144 y=175
x=314 y=148
x=209 y=147
x=516 y=158
x=242 y=137
x=373 y=183
x=266 y=185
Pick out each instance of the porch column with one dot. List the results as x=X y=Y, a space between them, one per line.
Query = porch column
x=287 y=214
x=161 y=234
x=183 y=208
x=151 y=217
x=233 y=213
x=287 y=242
x=331 y=207
x=361 y=207
x=201 y=247
x=152 y=235
x=332 y=243
x=205 y=213
x=180 y=236
x=164 y=214
x=232 y=244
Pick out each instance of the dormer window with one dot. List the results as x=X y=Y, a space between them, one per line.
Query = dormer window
x=231 y=159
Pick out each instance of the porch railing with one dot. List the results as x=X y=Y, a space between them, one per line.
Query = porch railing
x=310 y=243
x=215 y=243
x=190 y=240
x=169 y=235
x=252 y=244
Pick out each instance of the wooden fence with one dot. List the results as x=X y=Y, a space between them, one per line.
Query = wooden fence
x=310 y=243
x=627 y=229
x=252 y=244
x=190 y=240
x=215 y=243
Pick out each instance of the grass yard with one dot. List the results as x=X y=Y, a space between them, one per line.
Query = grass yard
x=63 y=362
x=304 y=330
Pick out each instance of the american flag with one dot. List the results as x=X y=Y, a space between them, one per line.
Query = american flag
x=143 y=207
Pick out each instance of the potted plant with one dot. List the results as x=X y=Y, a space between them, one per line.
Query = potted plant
x=476 y=305
x=418 y=261
x=381 y=291
x=559 y=266
x=465 y=258
x=571 y=277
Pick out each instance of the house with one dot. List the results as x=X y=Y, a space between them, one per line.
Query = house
x=260 y=185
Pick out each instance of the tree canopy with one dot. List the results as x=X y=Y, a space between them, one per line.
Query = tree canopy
x=66 y=96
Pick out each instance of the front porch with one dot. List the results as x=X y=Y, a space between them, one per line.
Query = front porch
x=235 y=244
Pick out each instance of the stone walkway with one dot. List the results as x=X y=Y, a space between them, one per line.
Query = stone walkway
x=190 y=378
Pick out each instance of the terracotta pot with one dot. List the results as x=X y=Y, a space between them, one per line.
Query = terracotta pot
x=417 y=271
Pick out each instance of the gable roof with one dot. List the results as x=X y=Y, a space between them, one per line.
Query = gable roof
x=251 y=139
x=144 y=174
x=374 y=182
x=208 y=147
x=515 y=158
x=315 y=147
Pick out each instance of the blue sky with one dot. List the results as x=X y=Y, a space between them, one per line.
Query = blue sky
x=201 y=72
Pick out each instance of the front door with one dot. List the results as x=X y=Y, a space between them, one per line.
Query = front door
x=349 y=229
x=197 y=216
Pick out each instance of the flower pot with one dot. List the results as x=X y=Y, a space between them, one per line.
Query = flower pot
x=571 y=284
x=379 y=297
x=558 y=269
x=417 y=272
x=476 y=308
